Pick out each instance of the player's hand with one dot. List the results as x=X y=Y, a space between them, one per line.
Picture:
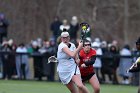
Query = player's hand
x=86 y=60
x=83 y=65
x=135 y=64
x=80 y=45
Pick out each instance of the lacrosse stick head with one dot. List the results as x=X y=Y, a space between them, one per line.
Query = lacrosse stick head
x=52 y=59
x=84 y=28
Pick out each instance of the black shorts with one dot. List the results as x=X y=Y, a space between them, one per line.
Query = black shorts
x=85 y=78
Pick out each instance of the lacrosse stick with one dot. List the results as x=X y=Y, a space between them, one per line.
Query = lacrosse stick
x=135 y=67
x=52 y=59
x=84 y=29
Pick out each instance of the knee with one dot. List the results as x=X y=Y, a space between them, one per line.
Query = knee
x=73 y=91
x=97 y=90
x=139 y=90
x=80 y=86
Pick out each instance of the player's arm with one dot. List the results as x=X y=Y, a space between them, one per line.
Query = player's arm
x=91 y=61
x=75 y=52
x=77 y=60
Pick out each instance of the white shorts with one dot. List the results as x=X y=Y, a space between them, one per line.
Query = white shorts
x=66 y=77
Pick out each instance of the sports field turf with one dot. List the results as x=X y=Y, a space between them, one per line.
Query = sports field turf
x=16 y=86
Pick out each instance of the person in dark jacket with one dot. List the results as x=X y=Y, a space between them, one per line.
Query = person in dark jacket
x=74 y=27
x=6 y=61
x=115 y=62
x=3 y=27
x=55 y=25
x=38 y=65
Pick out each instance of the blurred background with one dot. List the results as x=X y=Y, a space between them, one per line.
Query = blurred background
x=109 y=19
x=30 y=30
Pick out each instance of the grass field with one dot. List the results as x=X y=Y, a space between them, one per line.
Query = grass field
x=15 y=86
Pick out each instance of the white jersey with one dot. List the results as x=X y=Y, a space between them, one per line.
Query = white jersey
x=66 y=65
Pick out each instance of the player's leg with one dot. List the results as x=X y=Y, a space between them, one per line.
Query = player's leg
x=95 y=83
x=80 y=90
x=72 y=87
x=139 y=90
x=78 y=82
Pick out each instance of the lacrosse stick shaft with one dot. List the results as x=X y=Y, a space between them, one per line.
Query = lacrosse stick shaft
x=130 y=68
x=135 y=64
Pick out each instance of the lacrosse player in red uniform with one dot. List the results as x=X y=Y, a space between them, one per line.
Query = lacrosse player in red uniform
x=87 y=58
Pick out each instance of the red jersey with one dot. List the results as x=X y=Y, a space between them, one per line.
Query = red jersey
x=86 y=56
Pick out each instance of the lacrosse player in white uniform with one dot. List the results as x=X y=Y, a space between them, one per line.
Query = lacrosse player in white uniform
x=67 y=69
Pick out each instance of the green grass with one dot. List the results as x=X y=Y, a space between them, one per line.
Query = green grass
x=15 y=86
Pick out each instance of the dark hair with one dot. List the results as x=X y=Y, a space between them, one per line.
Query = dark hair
x=127 y=46
x=21 y=44
x=138 y=41
x=86 y=41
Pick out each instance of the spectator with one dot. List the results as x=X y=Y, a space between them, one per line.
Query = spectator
x=55 y=27
x=97 y=65
x=3 y=27
x=116 y=44
x=125 y=63
x=37 y=60
x=105 y=69
x=51 y=48
x=74 y=27
x=115 y=62
x=64 y=25
x=39 y=42
x=6 y=61
x=110 y=63
x=12 y=58
x=22 y=62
